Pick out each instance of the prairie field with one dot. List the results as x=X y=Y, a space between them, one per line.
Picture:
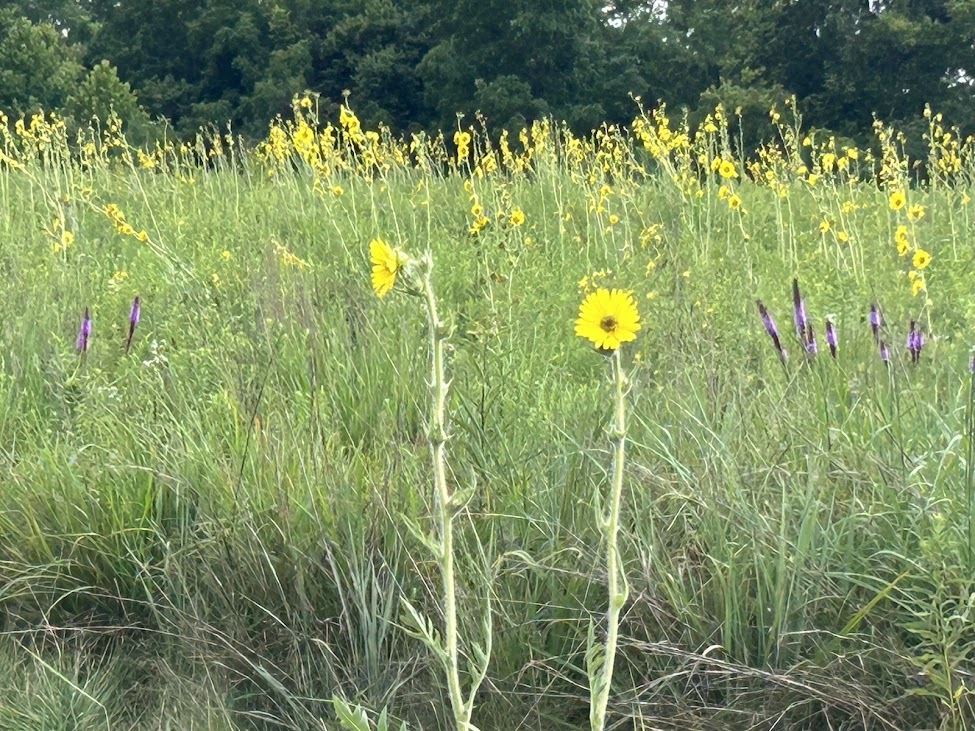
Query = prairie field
x=238 y=521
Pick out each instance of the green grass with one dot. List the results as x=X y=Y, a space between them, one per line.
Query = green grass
x=212 y=532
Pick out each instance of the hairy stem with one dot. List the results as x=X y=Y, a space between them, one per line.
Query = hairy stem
x=444 y=510
x=616 y=581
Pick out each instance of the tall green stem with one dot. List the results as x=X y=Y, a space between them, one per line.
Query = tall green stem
x=616 y=580
x=444 y=509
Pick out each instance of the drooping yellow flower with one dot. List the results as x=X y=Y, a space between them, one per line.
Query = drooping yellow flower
x=918 y=285
x=843 y=236
x=897 y=200
x=915 y=212
x=608 y=318
x=724 y=192
x=734 y=202
x=921 y=259
x=727 y=169
x=386 y=263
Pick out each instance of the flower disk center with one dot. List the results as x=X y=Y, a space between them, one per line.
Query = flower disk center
x=608 y=323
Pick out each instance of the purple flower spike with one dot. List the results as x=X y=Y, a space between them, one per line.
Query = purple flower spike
x=84 y=332
x=915 y=341
x=884 y=353
x=798 y=311
x=811 y=347
x=831 y=338
x=875 y=322
x=134 y=313
x=770 y=328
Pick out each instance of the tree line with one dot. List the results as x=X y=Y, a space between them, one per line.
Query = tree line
x=417 y=64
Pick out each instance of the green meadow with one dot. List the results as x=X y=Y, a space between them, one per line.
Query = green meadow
x=227 y=526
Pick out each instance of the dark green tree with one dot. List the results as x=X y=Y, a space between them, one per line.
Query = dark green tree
x=38 y=66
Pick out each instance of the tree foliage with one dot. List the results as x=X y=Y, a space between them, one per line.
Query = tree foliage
x=417 y=64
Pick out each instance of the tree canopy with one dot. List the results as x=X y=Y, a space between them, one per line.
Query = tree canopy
x=417 y=64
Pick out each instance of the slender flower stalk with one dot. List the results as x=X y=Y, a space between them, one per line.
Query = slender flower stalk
x=134 y=313
x=799 y=313
x=770 y=328
x=875 y=322
x=446 y=511
x=84 y=333
x=388 y=265
x=831 y=340
x=970 y=463
x=601 y=677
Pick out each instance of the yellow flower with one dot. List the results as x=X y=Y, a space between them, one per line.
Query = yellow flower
x=921 y=259
x=852 y=153
x=386 y=263
x=724 y=192
x=915 y=212
x=843 y=236
x=142 y=236
x=897 y=200
x=67 y=238
x=918 y=285
x=517 y=217
x=727 y=169
x=824 y=226
x=613 y=219
x=608 y=318
x=225 y=255
x=734 y=202
x=902 y=247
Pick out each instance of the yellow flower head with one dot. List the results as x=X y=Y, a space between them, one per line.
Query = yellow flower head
x=386 y=264
x=824 y=226
x=608 y=318
x=734 y=202
x=517 y=217
x=915 y=212
x=727 y=169
x=897 y=200
x=921 y=259
x=918 y=285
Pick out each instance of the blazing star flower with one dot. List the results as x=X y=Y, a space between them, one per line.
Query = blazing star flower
x=915 y=341
x=770 y=328
x=134 y=313
x=831 y=338
x=811 y=347
x=84 y=332
x=884 y=353
x=798 y=310
x=875 y=321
